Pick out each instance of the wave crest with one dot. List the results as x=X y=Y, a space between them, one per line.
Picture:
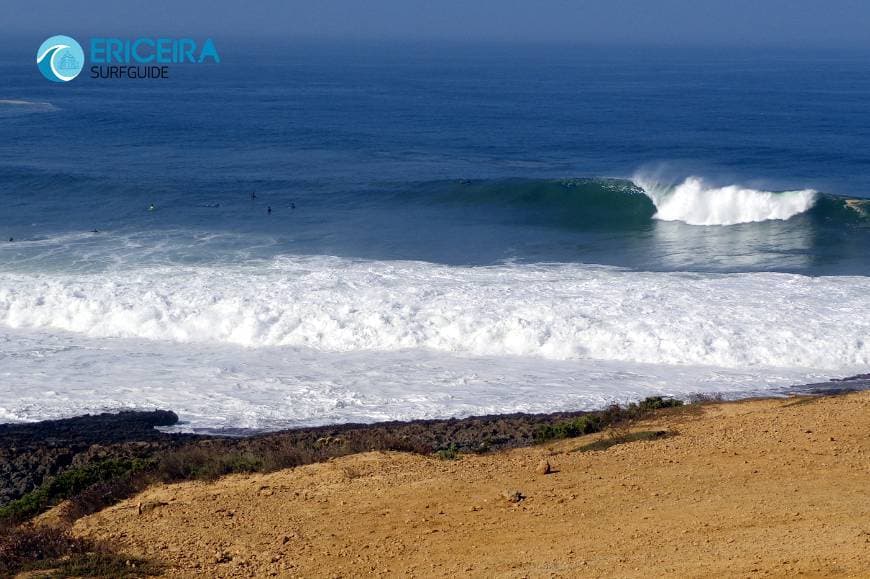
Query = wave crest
x=697 y=203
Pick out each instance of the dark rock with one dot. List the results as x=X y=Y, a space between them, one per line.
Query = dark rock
x=513 y=496
x=31 y=453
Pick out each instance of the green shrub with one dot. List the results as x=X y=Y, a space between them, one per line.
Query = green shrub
x=449 y=453
x=106 y=493
x=569 y=429
x=68 y=484
x=59 y=554
x=658 y=402
x=206 y=463
x=613 y=416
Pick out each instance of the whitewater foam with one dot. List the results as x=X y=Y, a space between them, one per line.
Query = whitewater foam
x=214 y=387
x=558 y=312
x=313 y=340
x=697 y=203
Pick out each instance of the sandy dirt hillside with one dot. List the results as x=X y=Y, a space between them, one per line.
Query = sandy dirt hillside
x=758 y=488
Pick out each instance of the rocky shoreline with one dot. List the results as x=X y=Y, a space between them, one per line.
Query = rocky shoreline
x=78 y=491
x=32 y=453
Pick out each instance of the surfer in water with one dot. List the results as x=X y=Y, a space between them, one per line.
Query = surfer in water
x=253 y=195
x=269 y=210
x=151 y=207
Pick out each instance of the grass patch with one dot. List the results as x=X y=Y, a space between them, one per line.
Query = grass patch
x=105 y=493
x=605 y=443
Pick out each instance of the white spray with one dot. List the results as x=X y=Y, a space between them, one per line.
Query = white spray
x=697 y=203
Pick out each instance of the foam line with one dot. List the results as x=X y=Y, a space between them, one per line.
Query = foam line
x=558 y=312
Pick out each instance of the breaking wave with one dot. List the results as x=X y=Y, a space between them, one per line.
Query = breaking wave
x=624 y=204
x=697 y=203
x=557 y=311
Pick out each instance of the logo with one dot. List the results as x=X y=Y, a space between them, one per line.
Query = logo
x=60 y=59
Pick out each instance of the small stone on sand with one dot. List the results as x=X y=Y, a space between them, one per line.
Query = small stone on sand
x=544 y=467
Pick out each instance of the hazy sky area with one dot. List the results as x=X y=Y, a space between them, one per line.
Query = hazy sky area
x=792 y=23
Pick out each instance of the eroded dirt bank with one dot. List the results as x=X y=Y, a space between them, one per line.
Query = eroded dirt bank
x=762 y=487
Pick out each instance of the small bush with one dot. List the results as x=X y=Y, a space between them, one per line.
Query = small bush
x=205 y=463
x=615 y=418
x=657 y=403
x=449 y=453
x=55 y=550
x=19 y=547
x=587 y=424
x=106 y=493
x=68 y=484
x=379 y=440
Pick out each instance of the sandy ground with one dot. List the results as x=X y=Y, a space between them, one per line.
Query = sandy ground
x=758 y=488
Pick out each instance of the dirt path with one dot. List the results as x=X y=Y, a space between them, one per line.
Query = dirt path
x=772 y=487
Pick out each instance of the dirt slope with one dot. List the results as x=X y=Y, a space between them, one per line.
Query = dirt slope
x=759 y=488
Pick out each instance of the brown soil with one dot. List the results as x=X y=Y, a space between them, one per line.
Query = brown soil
x=763 y=487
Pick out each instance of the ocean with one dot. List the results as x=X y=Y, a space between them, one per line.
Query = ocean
x=323 y=233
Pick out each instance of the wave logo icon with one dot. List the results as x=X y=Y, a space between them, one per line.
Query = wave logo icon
x=60 y=58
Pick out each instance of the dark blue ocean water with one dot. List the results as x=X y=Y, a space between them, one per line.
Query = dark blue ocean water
x=371 y=143
x=454 y=230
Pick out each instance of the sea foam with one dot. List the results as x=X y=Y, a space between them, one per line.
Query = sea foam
x=555 y=312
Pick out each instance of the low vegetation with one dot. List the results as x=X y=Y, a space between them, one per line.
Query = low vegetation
x=68 y=484
x=89 y=488
x=55 y=553
x=92 y=487
x=617 y=418
x=451 y=452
